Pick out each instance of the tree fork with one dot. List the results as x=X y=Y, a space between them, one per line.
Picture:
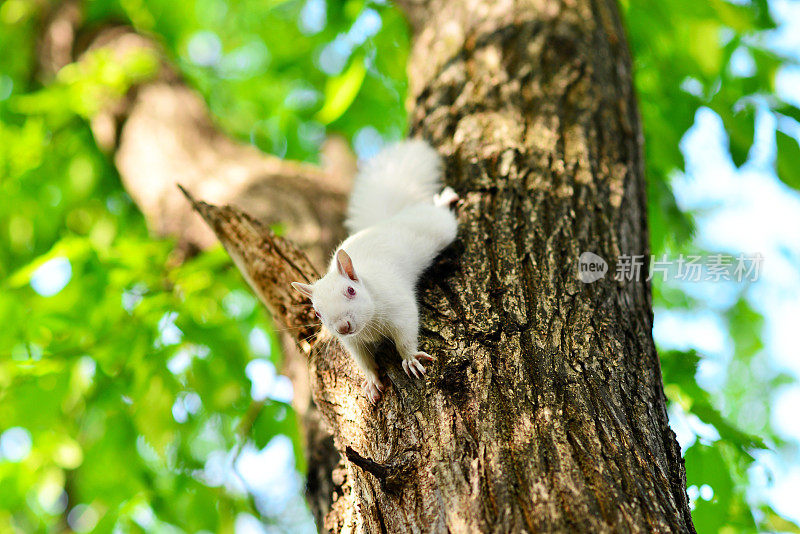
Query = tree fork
x=269 y=264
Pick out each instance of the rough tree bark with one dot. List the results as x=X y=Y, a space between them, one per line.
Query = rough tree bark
x=544 y=410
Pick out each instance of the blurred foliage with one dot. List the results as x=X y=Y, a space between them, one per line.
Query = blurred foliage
x=689 y=55
x=125 y=388
x=124 y=371
x=278 y=73
x=714 y=54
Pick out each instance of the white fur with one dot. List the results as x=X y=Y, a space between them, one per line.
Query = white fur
x=399 y=176
x=398 y=233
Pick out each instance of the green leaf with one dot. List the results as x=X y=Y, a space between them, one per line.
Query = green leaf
x=787 y=162
x=705 y=465
x=679 y=369
x=341 y=91
x=273 y=419
x=668 y=224
x=740 y=18
x=704 y=46
x=788 y=110
x=773 y=522
x=70 y=248
x=741 y=128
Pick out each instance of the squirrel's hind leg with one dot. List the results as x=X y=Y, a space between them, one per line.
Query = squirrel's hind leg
x=446 y=198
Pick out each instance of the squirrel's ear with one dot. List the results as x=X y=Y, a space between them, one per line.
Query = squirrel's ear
x=305 y=289
x=345 y=265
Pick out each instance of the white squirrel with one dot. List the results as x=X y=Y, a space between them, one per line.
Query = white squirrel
x=398 y=222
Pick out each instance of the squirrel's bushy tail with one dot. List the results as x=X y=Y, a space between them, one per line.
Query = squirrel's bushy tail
x=401 y=175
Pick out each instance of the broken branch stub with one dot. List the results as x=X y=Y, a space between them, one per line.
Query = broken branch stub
x=268 y=262
x=391 y=475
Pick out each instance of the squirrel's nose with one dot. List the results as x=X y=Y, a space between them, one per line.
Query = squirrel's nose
x=344 y=328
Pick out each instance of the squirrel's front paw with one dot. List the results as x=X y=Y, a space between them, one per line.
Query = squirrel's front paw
x=372 y=389
x=412 y=365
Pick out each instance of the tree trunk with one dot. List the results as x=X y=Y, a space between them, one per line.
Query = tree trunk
x=544 y=410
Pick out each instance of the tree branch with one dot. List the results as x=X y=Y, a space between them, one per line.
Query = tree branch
x=270 y=263
x=267 y=261
x=391 y=475
x=379 y=470
x=160 y=133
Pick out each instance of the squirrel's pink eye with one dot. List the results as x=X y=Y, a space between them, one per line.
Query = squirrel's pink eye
x=351 y=291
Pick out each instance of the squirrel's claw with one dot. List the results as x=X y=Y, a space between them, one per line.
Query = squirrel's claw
x=373 y=389
x=380 y=386
x=413 y=367
x=424 y=356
